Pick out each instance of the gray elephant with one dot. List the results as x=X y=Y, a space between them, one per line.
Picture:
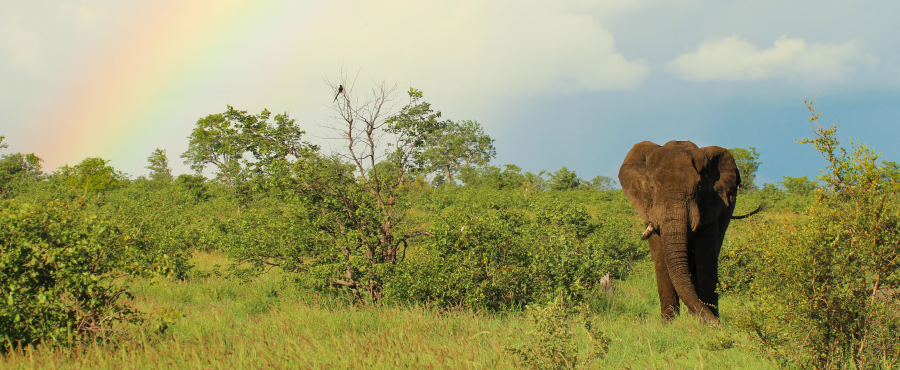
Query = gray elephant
x=685 y=195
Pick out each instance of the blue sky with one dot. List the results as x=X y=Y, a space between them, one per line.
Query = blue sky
x=568 y=83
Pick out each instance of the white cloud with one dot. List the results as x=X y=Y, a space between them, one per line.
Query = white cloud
x=23 y=46
x=486 y=50
x=735 y=59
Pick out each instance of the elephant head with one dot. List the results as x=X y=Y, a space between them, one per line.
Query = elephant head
x=677 y=190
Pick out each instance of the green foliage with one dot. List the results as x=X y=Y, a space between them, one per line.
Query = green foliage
x=243 y=146
x=602 y=183
x=509 y=178
x=457 y=146
x=891 y=171
x=777 y=197
x=799 y=185
x=819 y=289
x=159 y=166
x=93 y=175
x=194 y=185
x=564 y=179
x=414 y=128
x=344 y=217
x=493 y=249
x=58 y=279
x=347 y=224
x=552 y=342
x=747 y=161
x=272 y=233
x=16 y=170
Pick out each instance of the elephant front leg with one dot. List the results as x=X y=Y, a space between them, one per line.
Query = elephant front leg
x=707 y=242
x=668 y=297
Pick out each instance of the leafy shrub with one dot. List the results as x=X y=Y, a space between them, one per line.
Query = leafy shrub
x=776 y=199
x=269 y=233
x=553 y=343
x=93 y=175
x=16 y=170
x=58 y=276
x=817 y=289
x=493 y=249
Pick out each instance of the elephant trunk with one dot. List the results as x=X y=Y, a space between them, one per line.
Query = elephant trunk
x=675 y=229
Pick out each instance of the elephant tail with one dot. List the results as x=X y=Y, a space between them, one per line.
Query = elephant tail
x=749 y=214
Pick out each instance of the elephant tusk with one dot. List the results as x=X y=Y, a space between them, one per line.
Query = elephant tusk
x=647 y=232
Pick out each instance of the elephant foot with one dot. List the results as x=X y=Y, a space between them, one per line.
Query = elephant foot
x=710 y=319
x=668 y=313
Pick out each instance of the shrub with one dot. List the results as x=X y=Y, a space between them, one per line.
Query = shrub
x=817 y=289
x=553 y=342
x=16 y=170
x=58 y=277
x=93 y=175
x=493 y=249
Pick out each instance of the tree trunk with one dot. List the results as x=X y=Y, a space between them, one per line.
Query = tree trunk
x=447 y=171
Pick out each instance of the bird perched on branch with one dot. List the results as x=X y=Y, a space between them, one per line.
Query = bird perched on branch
x=340 y=90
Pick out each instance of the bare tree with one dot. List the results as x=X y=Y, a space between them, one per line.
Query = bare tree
x=361 y=187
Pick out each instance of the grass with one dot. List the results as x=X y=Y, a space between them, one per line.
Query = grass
x=214 y=322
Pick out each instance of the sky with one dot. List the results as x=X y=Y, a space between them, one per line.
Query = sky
x=570 y=83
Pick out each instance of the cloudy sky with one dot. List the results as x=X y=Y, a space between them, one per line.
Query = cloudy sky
x=565 y=83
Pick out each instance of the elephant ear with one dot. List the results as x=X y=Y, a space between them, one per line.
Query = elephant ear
x=720 y=174
x=634 y=177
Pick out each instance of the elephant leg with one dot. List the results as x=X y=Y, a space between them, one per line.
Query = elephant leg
x=724 y=221
x=707 y=243
x=668 y=298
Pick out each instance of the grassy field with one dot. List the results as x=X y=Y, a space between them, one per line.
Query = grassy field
x=218 y=323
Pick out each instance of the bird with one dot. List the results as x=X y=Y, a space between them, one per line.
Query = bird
x=340 y=90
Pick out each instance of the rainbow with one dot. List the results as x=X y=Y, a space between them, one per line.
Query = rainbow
x=158 y=51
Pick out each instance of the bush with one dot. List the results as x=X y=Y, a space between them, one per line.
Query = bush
x=553 y=342
x=16 y=171
x=494 y=249
x=817 y=290
x=58 y=276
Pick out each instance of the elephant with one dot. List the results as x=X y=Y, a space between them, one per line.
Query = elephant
x=685 y=196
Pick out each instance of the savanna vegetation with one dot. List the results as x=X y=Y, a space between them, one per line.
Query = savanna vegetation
x=405 y=247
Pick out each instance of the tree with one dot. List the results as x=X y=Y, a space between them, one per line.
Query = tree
x=93 y=175
x=356 y=195
x=799 y=185
x=602 y=183
x=511 y=177
x=15 y=168
x=456 y=146
x=246 y=147
x=747 y=161
x=891 y=171
x=159 y=166
x=216 y=141
x=564 y=179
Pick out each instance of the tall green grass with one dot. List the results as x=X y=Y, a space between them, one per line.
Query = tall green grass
x=216 y=322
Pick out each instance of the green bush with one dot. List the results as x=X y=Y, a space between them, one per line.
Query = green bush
x=493 y=249
x=819 y=290
x=269 y=233
x=552 y=342
x=58 y=276
x=17 y=170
